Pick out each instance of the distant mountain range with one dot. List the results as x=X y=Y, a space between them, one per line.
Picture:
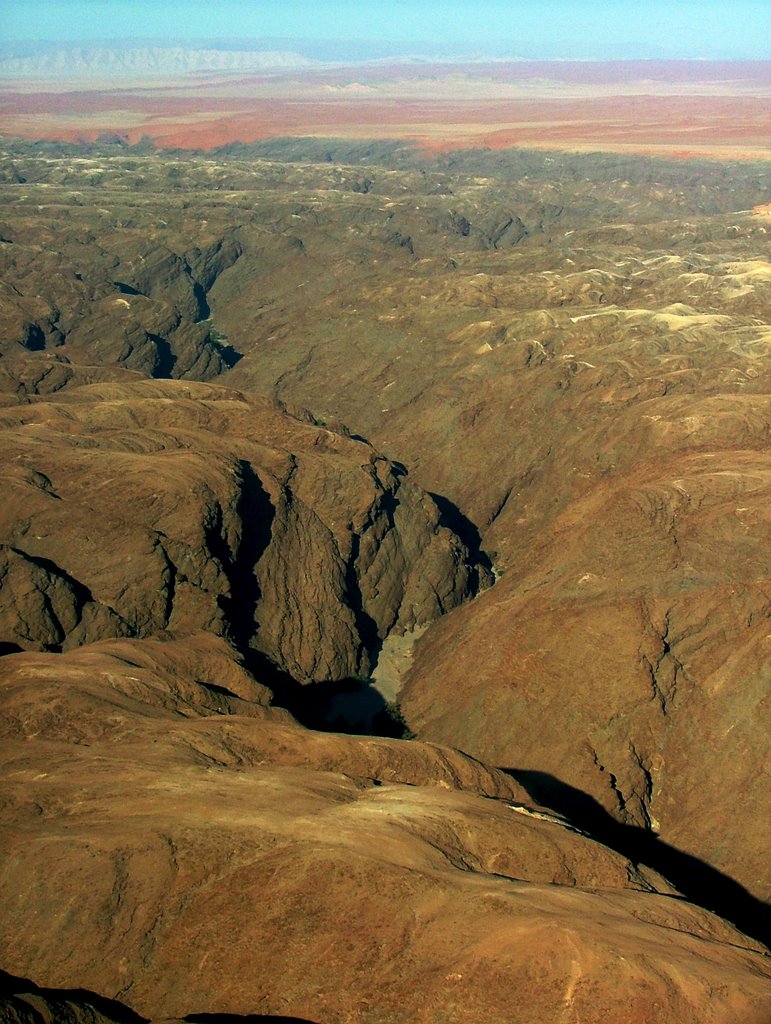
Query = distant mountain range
x=158 y=60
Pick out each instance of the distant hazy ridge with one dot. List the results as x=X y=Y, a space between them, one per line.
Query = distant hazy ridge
x=147 y=60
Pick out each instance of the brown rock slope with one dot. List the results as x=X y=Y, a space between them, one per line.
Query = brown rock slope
x=572 y=358
x=633 y=532
x=173 y=842
x=77 y=299
x=166 y=506
x=596 y=401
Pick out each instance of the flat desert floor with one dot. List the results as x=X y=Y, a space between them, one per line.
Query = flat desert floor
x=668 y=108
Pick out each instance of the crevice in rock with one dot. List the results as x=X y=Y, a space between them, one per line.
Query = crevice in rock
x=656 y=691
x=169 y=581
x=365 y=624
x=256 y=513
x=199 y=295
x=229 y=355
x=451 y=517
x=500 y=505
x=644 y=799
x=165 y=358
x=613 y=782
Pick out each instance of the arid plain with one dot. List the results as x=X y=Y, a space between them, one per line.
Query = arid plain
x=697 y=108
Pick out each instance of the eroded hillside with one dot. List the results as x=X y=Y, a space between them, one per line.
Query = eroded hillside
x=260 y=417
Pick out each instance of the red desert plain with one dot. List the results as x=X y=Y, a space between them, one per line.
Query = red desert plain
x=669 y=108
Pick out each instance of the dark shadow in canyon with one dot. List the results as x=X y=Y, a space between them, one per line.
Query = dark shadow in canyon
x=229 y=355
x=350 y=706
x=698 y=882
x=257 y=514
x=13 y=989
x=11 y=985
x=451 y=517
x=165 y=359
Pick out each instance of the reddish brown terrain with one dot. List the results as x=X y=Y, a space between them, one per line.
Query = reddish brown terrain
x=195 y=850
x=679 y=108
x=384 y=585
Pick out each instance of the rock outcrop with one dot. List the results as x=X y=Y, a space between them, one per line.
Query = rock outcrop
x=140 y=306
x=175 y=843
x=23 y=1002
x=134 y=509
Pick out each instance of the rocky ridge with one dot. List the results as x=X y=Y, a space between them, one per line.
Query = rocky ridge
x=287 y=537
x=570 y=398
x=142 y=307
x=236 y=860
x=161 y=61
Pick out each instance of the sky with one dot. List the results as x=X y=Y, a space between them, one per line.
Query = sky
x=340 y=29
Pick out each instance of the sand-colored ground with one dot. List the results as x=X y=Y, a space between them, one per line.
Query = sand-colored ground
x=665 y=108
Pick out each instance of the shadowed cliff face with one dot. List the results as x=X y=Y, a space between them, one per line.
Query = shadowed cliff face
x=23 y=1002
x=138 y=508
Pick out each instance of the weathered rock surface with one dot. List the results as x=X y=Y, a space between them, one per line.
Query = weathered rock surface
x=638 y=640
x=159 y=506
x=575 y=368
x=136 y=304
x=596 y=400
x=173 y=842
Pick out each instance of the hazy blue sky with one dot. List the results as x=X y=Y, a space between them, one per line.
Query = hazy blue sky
x=571 y=28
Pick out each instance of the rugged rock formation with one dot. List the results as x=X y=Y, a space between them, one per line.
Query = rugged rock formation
x=23 y=1002
x=175 y=843
x=596 y=401
x=574 y=371
x=160 y=506
x=137 y=304
x=43 y=607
